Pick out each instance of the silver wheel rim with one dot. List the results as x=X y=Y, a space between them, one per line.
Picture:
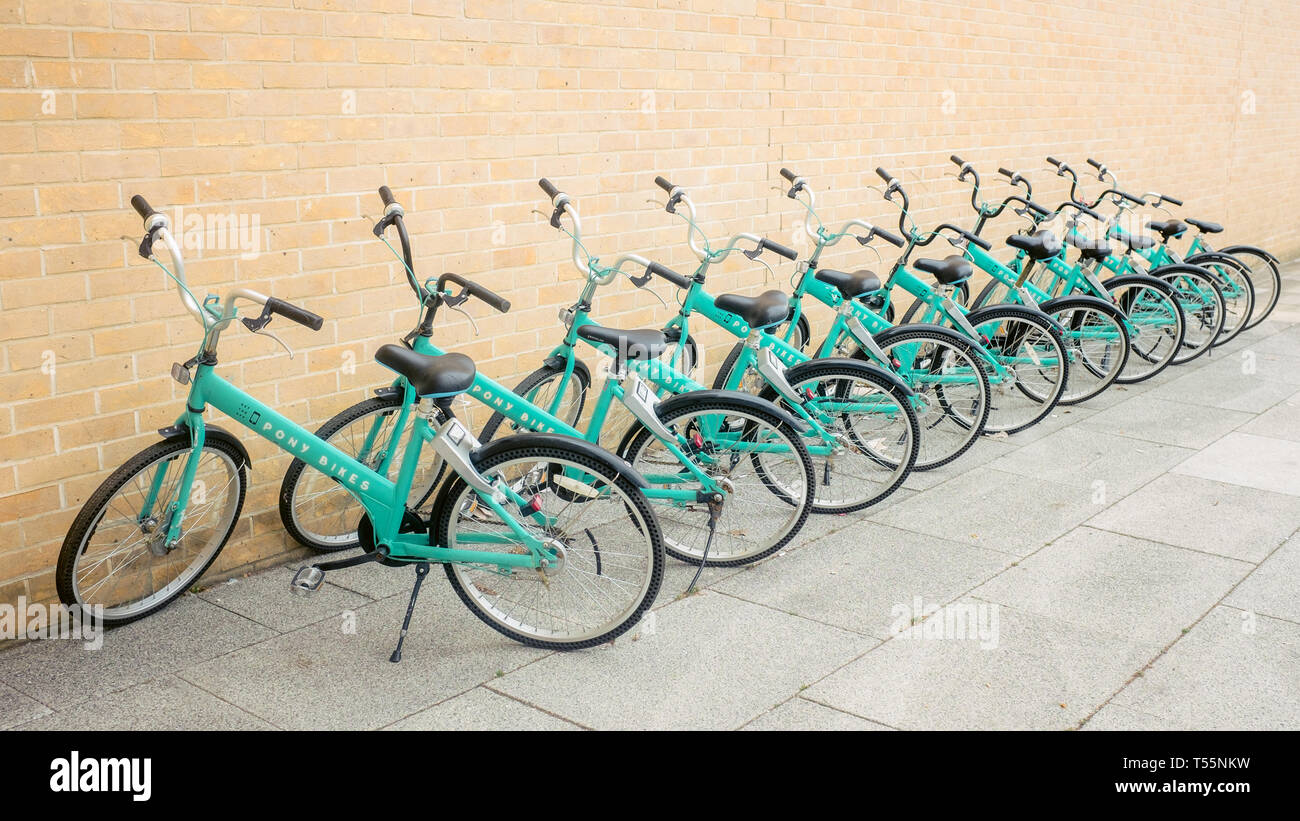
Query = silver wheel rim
x=685 y=527
x=118 y=519
x=524 y=602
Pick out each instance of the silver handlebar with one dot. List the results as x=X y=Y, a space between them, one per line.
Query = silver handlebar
x=160 y=227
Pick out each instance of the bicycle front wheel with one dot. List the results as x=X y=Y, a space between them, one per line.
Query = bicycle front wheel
x=611 y=552
x=1203 y=309
x=866 y=436
x=1097 y=344
x=1032 y=369
x=760 y=460
x=117 y=555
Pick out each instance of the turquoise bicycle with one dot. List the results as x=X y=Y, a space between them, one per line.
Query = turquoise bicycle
x=1260 y=266
x=728 y=474
x=547 y=539
x=951 y=394
x=863 y=432
x=1148 y=310
x=1096 y=331
x=1022 y=349
x=1199 y=290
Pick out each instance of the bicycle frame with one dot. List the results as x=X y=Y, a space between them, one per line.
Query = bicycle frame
x=544 y=420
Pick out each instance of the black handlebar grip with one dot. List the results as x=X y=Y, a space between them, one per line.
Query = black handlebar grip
x=290 y=311
x=386 y=194
x=142 y=207
x=1083 y=209
x=885 y=175
x=779 y=249
x=788 y=174
x=1054 y=161
x=1008 y=174
x=492 y=298
x=1094 y=163
x=669 y=274
x=983 y=243
x=1168 y=198
x=664 y=184
x=958 y=161
x=1036 y=208
x=890 y=237
x=548 y=187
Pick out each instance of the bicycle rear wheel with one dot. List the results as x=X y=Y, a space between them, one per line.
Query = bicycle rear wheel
x=320 y=513
x=873 y=431
x=1266 y=278
x=611 y=559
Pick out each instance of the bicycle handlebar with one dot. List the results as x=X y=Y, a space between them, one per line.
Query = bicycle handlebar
x=778 y=249
x=664 y=272
x=294 y=313
x=142 y=207
x=472 y=288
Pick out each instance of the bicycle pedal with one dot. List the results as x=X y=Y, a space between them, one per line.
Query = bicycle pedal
x=307 y=581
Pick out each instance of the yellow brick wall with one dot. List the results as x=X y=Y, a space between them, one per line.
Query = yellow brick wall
x=293 y=112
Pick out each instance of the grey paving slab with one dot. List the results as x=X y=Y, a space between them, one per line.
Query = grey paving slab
x=1114 y=717
x=985 y=450
x=322 y=677
x=1061 y=417
x=1140 y=590
x=678 y=576
x=1215 y=517
x=713 y=662
x=1225 y=385
x=994 y=509
x=481 y=709
x=799 y=714
x=1170 y=423
x=1285 y=342
x=854 y=579
x=16 y=708
x=1253 y=461
x=1282 y=421
x=265 y=598
x=1043 y=673
x=1272 y=365
x=1232 y=671
x=1110 y=466
x=165 y=703
x=1271 y=589
x=62 y=673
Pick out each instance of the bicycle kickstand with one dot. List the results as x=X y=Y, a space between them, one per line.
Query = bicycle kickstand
x=421 y=570
x=715 y=512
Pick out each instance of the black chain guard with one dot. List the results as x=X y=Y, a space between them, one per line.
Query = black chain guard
x=411 y=523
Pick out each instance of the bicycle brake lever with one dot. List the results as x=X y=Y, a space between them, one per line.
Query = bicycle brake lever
x=264 y=332
x=466 y=314
x=640 y=282
x=767 y=277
